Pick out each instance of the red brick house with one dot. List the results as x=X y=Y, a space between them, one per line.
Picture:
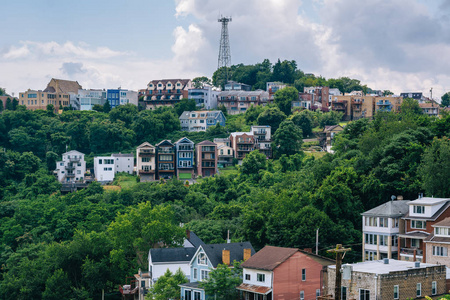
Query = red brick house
x=283 y=273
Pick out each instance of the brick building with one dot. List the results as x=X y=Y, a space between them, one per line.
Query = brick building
x=387 y=279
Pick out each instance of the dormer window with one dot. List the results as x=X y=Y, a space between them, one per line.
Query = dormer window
x=201 y=259
x=419 y=209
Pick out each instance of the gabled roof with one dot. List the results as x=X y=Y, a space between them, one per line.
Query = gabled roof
x=214 y=251
x=443 y=223
x=184 y=140
x=333 y=127
x=73 y=151
x=206 y=142
x=164 y=143
x=389 y=209
x=145 y=144
x=65 y=86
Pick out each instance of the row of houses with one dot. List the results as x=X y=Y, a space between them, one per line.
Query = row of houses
x=287 y=273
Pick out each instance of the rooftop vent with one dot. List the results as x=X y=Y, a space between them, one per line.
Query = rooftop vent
x=386 y=261
x=417 y=264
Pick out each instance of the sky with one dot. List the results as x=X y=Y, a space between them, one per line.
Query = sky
x=397 y=45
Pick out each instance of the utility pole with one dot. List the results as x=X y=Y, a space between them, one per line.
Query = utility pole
x=431 y=92
x=340 y=253
x=317 y=241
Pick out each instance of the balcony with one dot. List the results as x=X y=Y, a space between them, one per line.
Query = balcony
x=70 y=167
x=165 y=150
x=245 y=142
x=259 y=132
x=245 y=149
x=384 y=103
x=146 y=153
x=74 y=159
x=146 y=172
x=410 y=252
x=71 y=175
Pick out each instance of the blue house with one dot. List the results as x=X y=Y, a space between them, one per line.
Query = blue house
x=113 y=97
x=206 y=258
x=185 y=158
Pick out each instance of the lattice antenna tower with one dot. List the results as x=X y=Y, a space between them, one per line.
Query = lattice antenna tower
x=224 y=51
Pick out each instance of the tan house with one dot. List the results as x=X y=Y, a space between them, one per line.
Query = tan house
x=146 y=162
x=430 y=109
x=206 y=158
x=438 y=244
x=57 y=93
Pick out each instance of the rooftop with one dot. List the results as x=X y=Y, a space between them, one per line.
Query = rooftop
x=389 y=209
x=214 y=251
x=429 y=201
x=379 y=267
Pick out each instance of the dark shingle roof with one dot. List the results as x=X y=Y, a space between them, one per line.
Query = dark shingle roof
x=195 y=240
x=214 y=251
x=172 y=254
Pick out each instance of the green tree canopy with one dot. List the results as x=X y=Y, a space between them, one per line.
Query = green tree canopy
x=288 y=138
x=222 y=281
x=166 y=287
x=272 y=116
x=283 y=99
x=435 y=168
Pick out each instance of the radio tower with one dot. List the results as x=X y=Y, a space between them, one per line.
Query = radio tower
x=224 y=51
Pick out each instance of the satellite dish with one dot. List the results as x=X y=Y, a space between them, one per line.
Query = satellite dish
x=393 y=198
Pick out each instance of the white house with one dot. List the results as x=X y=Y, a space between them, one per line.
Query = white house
x=104 y=168
x=72 y=167
x=123 y=162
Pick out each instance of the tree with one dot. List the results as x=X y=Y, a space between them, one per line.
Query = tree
x=199 y=82
x=126 y=113
x=185 y=105
x=410 y=107
x=57 y=286
x=303 y=120
x=222 y=281
x=141 y=228
x=166 y=287
x=387 y=93
x=283 y=99
x=97 y=107
x=288 y=138
x=1 y=106
x=445 y=100
x=106 y=107
x=253 y=163
x=272 y=116
x=9 y=104
x=330 y=118
x=435 y=168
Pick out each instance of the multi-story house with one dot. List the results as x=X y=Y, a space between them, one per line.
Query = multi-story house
x=242 y=143
x=165 y=160
x=205 y=97
x=437 y=244
x=86 y=99
x=263 y=138
x=387 y=279
x=304 y=101
x=381 y=226
x=422 y=214
x=320 y=94
x=333 y=92
x=121 y=96
x=236 y=86
x=71 y=168
x=225 y=152
x=415 y=95
x=185 y=158
x=207 y=258
x=273 y=87
x=194 y=121
x=430 y=108
x=123 y=162
x=327 y=139
x=237 y=102
x=206 y=158
x=388 y=103
x=165 y=92
x=283 y=273
x=146 y=162
x=105 y=167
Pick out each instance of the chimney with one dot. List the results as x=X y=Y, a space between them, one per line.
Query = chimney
x=188 y=234
x=309 y=250
x=247 y=253
x=399 y=197
x=226 y=257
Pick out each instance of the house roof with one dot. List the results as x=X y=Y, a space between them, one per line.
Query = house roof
x=415 y=234
x=194 y=239
x=206 y=142
x=260 y=93
x=65 y=86
x=145 y=144
x=184 y=139
x=73 y=151
x=269 y=257
x=379 y=267
x=214 y=251
x=258 y=289
x=331 y=128
x=183 y=82
x=445 y=203
x=122 y=155
x=443 y=223
x=391 y=209
x=172 y=254
x=164 y=143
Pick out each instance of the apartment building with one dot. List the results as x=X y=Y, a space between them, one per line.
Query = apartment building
x=225 y=152
x=237 y=102
x=237 y=86
x=71 y=168
x=165 y=160
x=57 y=93
x=165 y=92
x=185 y=158
x=146 y=162
x=422 y=214
x=273 y=87
x=320 y=94
x=205 y=97
x=86 y=99
x=263 y=139
x=388 y=103
x=206 y=158
x=121 y=96
x=242 y=143
x=381 y=226
x=123 y=162
x=193 y=121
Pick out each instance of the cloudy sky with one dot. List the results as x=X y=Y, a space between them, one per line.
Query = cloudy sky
x=400 y=45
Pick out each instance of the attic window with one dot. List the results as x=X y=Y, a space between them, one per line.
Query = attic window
x=201 y=259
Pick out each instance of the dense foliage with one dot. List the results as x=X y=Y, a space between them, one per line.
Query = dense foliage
x=55 y=246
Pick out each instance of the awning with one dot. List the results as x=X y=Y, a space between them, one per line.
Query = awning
x=262 y=290
x=414 y=235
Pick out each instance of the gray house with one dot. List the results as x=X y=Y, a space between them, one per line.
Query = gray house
x=201 y=120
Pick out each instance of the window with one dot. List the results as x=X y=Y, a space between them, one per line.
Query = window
x=317 y=292
x=302 y=295
x=439 y=251
x=383 y=240
x=419 y=209
x=418 y=224
x=260 y=277
x=433 y=288
x=201 y=259
x=146 y=159
x=195 y=274
x=415 y=243
x=395 y=291
x=205 y=274
x=197 y=295
x=247 y=276
x=364 y=294
x=383 y=222
x=419 y=289
x=343 y=293
x=78 y=171
x=303 y=274
x=395 y=222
